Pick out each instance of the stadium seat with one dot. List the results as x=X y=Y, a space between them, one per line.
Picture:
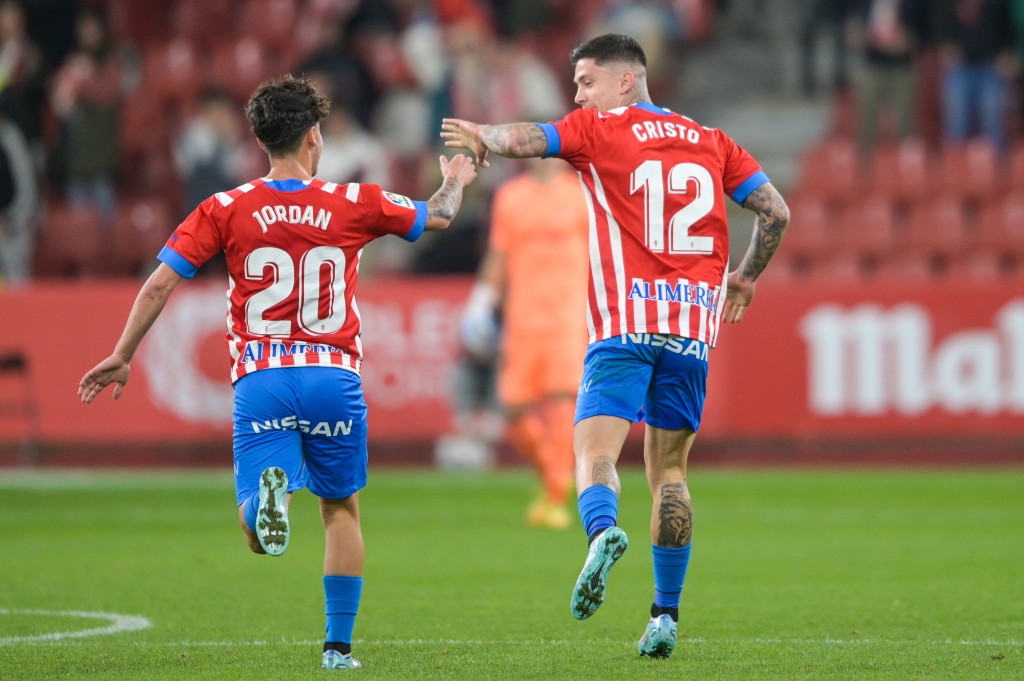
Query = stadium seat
x=971 y=170
x=869 y=230
x=809 y=239
x=1015 y=174
x=936 y=234
x=238 y=66
x=998 y=236
x=135 y=22
x=201 y=22
x=908 y=267
x=830 y=169
x=271 y=22
x=71 y=242
x=171 y=72
x=901 y=172
x=980 y=266
x=143 y=227
x=143 y=125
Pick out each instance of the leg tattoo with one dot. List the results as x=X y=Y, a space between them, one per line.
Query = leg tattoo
x=603 y=473
x=675 y=514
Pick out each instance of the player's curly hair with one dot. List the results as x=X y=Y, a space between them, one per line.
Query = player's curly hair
x=282 y=110
x=610 y=47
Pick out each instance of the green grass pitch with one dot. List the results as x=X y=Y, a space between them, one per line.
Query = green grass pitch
x=834 y=574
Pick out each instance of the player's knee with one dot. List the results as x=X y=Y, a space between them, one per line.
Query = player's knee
x=659 y=477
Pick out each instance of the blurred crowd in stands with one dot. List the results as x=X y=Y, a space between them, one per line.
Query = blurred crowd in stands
x=922 y=173
x=118 y=116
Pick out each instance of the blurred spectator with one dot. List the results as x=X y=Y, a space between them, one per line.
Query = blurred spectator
x=491 y=78
x=351 y=154
x=403 y=119
x=658 y=27
x=208 y=153
x=1017 y=7
x=976 y=42
x=831 y=15
x=20 y=73
x=19 y=195
x=350 y=80
x=891 y=34
x=85 y=96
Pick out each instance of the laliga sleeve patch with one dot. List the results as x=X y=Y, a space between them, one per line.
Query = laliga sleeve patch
x=399 y=200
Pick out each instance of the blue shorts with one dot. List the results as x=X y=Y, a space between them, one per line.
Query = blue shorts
x=654 y=378
x=310 y=421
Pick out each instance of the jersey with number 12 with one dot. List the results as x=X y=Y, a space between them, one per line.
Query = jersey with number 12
x=292 y=251
x=654 y=183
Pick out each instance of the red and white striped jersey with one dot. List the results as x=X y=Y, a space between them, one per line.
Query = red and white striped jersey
x=655 y=185
x=292 y=251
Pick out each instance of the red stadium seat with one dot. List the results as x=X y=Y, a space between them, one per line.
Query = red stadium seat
x=830 y=169
x=998 y=237
x=142 y=229
x=238 y=66
x=1015 y=176
x=143 y=125
x=971 y=171
x=936 y=236
x=171 y=72
x=136 y=22
x=912 y=267
x=901 y=172
x=201 y=22
x=870 y=229
x=809 y=238
x=271 y=22
x=71 y=242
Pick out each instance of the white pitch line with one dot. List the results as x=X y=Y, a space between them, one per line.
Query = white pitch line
x=117 y=624
x=565 y=642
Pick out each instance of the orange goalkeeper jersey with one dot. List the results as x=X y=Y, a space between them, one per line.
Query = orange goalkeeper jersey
x=541 y=228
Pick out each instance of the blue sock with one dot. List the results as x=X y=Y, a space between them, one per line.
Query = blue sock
x=669 y=572
x=252 y=507
x=599 y=507
x=341 y=598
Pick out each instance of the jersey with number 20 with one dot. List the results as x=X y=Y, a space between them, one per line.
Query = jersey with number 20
x=292 y=251
x=654 y=183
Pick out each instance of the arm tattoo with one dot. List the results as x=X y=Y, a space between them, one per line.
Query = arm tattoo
x=770 y=225
x=675 y=516
x=603 y=473
x=445 y=202
x=515 y=140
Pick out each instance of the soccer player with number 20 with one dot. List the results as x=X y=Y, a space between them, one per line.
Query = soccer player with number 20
x=292 y=245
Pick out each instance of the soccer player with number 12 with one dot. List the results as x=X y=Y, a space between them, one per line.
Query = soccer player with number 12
x=655 y=183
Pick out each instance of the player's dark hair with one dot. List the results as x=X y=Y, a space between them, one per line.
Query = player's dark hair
x=610 y=47
x=282 y=110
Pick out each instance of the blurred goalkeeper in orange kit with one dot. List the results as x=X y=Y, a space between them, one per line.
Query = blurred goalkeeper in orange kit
x=534 y=274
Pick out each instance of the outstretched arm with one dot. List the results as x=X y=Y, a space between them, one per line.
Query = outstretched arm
x=513 y=140
x=444 y=204
x=148 y=305
x=478 y=328
x=772 y=220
